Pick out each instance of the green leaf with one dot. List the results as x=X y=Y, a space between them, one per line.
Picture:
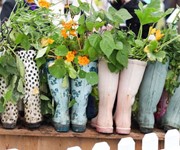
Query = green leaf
x=123 y=15
x=160 y=56
x=119 y=45
x=107 y=43
x=20 y=86
x=57 y=68
x=122 y=58
x=41 y=52
x=40 y=61
x=71 y=71
x=44 y=97
x=82 y=74
x=71 y=103
x=94 y=40
x=65 y=83
x=89 y=25
x=61 y=50
x=20 y=66
x=92 y=78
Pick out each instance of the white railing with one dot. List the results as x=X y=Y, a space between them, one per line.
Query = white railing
x=149 y=142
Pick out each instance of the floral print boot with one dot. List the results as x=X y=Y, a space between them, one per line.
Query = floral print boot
x=80 y=90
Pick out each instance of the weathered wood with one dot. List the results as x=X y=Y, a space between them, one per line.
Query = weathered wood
x=46 y=138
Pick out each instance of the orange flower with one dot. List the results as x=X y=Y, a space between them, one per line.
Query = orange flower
x=73 y=32
x=46 y=41
x=30 y=1
x=158 y=35
x=70 y=56
x=83 y=60
x=44 y=3
x=74 y=52
x=64 y=33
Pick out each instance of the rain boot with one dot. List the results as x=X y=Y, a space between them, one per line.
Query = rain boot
x=10 y=115
x=171 y=119
x=107 y=88
x=130 y=79
x=80 y=90
x=61 y=96
x=31 y=100
x=150 y=93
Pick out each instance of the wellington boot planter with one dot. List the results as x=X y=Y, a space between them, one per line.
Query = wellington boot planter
x=10 y=115
x=150 y=93
x=107 y=87
x=31 y=100
x=61 y=96
x=129 y=82
x=171 y=119
x=80 y=90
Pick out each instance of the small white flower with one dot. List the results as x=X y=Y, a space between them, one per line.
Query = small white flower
x=151 y=38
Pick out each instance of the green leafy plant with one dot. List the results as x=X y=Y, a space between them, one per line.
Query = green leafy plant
x=150 y=48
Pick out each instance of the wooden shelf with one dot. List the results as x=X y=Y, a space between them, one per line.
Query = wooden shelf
x=45 y=138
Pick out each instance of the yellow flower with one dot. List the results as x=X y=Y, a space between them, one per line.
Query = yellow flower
x=158 y=35
x=70 y=56
x=44 y=3
x=64 y=33
x=30 y=1
x=152 y=30
x=46 y=41
x=83 y=60
x=146 y=49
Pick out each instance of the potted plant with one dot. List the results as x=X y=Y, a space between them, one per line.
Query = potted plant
x=26 y=28
x=71 y=59
x=151 y=49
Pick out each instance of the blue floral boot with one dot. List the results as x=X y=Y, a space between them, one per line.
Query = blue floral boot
x=150 y=93
x=80 y=90
x=60 y=94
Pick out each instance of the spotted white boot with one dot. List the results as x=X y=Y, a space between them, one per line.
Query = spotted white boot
x=10 y=115
x=32 y=103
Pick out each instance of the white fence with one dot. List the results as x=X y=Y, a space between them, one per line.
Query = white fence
x=149 y=142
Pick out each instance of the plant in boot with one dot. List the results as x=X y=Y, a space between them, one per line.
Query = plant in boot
x=11 y=80
x=26 y=29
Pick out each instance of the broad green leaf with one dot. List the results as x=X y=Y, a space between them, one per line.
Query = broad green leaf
x=89 y=25
x=94 y=40
x=61 y=50
x=92 y=78
x=107 y=43
x=41 y=52
x=119 y=45
x=82 y=74
x=57 y=68
x=122 y=58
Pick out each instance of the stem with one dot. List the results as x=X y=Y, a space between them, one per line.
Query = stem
x=168 y=42
x=140 y=32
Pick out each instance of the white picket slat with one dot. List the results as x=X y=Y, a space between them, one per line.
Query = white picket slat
x=172 y=140
x=74 y=148
x=101 y=146
x=150 y=142
x=126 y=144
